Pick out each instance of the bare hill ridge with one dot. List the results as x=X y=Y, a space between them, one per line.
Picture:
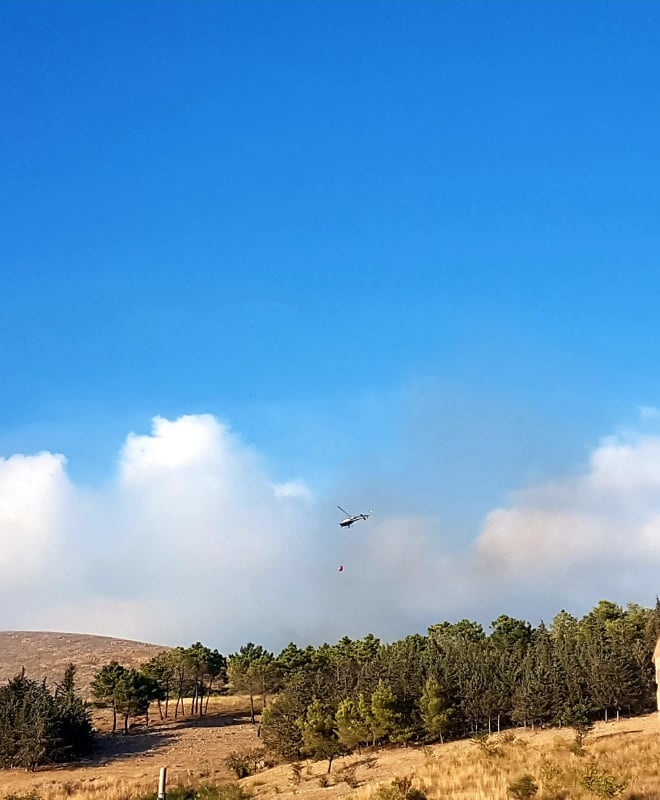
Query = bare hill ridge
x=45 y=654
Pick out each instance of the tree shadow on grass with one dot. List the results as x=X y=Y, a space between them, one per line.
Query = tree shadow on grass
x=113 y=748
x=160 y=733
x=218 y=720
x=110 y=748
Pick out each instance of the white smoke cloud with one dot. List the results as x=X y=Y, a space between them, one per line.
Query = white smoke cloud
x=34 y=491
x=194 y=538
x=603 y=522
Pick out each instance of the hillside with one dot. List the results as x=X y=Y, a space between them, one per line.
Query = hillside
x=46 y=654
x=125 y=768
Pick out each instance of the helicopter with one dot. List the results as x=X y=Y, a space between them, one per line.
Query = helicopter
x=351 y=519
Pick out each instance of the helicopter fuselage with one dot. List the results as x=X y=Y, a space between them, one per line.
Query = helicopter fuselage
x=346 y=523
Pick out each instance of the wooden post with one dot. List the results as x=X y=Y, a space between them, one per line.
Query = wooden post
x=162 y=780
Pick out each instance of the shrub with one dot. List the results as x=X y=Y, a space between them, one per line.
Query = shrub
x=403 y=784
x=552 y=775
x=31 y=795
x=388 y=793
x=487 y=746
x=207 y=791
x=238 y=763
x=347 y=774
x=601 y=783
x=524 y=788
x=230 y=792
x=181 y=792
x=400 y=789
x=248 y=762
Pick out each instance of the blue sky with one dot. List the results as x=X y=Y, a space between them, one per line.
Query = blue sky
x=402 y=246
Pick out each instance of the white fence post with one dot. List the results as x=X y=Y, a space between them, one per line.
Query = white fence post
x=162 y=780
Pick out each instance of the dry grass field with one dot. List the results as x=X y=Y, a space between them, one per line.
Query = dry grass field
x=629 y=750
x=124 y=766
x=194 y=751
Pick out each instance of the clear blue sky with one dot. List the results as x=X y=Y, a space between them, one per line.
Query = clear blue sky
x=421 y=234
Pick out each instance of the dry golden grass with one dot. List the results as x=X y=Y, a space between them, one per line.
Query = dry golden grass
x=629 y=750
x=195 y=754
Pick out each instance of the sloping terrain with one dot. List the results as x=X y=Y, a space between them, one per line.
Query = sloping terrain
x=125 y=768
x=46 y=654
x=194 y=750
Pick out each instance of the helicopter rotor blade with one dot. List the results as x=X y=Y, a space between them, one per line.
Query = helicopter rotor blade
x=344 y=510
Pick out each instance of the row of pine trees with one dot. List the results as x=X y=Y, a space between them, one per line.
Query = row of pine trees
x=455 y=681
x=459 y=681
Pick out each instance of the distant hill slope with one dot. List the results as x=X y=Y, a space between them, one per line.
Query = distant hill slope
x=46 y=654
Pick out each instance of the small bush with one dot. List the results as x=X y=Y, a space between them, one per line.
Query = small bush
x=238 y=763
x=403 y=784
x=248 y=762
x=487 y=746
x=388 y=793
x=400 y=789
x=31 y=795
x=178 y=792
x=601 y=783
x=507 y=738
x=524 y=788
x=208 y=791
x=229 y=792
x=347 y=774
x=552 y=775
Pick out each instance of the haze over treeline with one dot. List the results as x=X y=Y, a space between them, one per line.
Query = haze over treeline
x=457 y=680
x=192 y=503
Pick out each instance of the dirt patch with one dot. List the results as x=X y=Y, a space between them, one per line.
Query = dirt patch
x=192 y=749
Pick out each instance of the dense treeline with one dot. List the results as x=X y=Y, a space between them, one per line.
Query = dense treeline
x=39 y=727
x=455 y=681
x=458 y=681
